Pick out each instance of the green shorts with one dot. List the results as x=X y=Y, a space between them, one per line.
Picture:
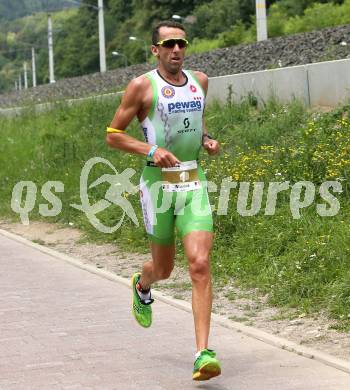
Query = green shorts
x=163 y=211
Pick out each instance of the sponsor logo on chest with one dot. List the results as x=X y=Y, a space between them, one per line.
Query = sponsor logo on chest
x=168 y=91
x=185 y=106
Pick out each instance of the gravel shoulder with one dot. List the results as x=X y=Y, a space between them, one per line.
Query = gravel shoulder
x=245 y=306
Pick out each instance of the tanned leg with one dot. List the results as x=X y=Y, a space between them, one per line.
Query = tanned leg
x=160 y=266
x=197 y=249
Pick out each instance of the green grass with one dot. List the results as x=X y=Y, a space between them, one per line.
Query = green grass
x=39 y=241
x=300 y=263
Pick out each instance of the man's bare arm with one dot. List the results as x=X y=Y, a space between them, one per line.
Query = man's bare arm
x=130 y=106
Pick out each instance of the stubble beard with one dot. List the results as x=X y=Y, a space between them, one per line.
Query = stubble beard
x=173 y=69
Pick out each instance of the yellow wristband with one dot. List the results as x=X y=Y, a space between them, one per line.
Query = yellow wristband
x=111 y=130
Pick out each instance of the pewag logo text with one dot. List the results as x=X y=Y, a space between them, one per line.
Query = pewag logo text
x=189 y=106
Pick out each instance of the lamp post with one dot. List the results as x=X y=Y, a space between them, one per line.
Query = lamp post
x=25 y=73
x=101 y=35
x=261 y=24
x=24 y=78
x=33 y=68
x=118 y=54
x=145 y=45
x=50 y=44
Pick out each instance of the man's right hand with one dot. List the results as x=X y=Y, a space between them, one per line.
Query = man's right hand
x=164 y=159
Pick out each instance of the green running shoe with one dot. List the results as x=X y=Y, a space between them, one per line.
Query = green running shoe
x=206 y=366
x=141 y=309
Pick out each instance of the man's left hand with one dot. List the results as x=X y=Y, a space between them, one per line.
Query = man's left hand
x=211 y=146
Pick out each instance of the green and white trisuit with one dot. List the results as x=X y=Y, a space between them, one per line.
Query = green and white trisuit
x=175 y=123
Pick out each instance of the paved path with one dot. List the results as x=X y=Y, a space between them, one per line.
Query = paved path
x=62 y=327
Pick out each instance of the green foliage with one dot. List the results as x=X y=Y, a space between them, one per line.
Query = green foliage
x=203 y=45
x=289 y=17
x=277 y=19
x=238 y=34
x=296 y=8
x=216 y=16
x=76 y=47
x=319 y=16
x=27 y=32
x=13 y=9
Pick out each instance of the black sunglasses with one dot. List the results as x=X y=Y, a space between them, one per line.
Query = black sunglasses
x=171 y=42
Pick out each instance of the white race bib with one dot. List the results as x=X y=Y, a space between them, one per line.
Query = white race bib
x=181 y=178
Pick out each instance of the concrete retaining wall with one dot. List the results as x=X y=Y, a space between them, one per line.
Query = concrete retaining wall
x=283 y=83
x=320 y=84
x=329 y=83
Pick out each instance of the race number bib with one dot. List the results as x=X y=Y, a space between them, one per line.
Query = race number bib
x=182 y=178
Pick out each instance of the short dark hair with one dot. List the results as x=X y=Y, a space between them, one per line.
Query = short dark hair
x=165 y=23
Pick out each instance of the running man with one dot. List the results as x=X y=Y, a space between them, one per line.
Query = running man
x=169 y=104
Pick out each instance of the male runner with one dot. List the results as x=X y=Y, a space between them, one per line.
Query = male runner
x=169 y=103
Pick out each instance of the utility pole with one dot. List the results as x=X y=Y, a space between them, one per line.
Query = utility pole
x=33 y=68
x=261 y=24
x=50 y=43
x=25 y=75
x=101 y=35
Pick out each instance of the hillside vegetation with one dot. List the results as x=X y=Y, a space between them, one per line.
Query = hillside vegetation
x=301 y=260
x=210 y=24
x=13 y=9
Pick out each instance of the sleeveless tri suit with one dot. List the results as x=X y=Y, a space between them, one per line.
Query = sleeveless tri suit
x=175 y=123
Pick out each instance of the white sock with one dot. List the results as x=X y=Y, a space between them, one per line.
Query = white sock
x=198 y=354
x=144 y=296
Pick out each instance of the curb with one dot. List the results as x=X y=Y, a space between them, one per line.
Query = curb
x=249 y=331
